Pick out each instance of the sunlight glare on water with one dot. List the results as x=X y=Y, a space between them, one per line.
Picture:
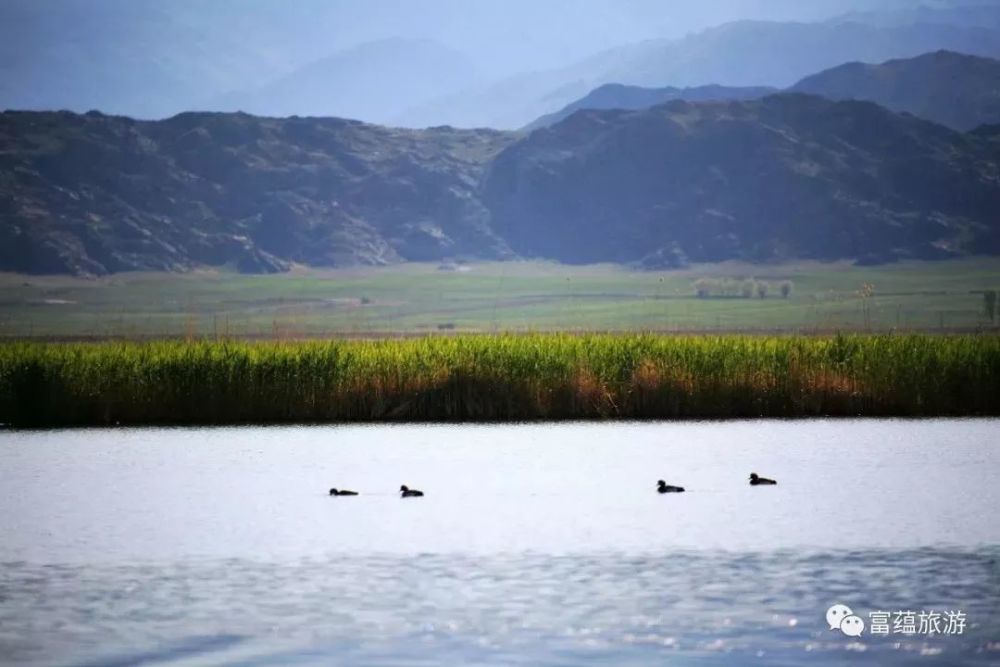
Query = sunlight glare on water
x=538 y=544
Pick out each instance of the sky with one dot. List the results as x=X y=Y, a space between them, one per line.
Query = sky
x=506 y=36
x=501 y=36
x=151 y=58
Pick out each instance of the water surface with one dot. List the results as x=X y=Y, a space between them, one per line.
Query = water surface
x=540 y=544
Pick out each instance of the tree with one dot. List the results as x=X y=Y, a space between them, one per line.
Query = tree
x=786 y=289
x=747 y=288
x=762 y=289
x=703 y=287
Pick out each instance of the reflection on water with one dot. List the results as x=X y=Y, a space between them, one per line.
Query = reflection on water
x=535 y=545
x=531 y=609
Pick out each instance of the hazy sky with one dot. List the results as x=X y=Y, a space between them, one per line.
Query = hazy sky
x=155 y=57
x=497 y=34
x=519 y=34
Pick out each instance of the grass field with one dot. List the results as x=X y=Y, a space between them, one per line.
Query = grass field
x=522 y=296
x=497 y=378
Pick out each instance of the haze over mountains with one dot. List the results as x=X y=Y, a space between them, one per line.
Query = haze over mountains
x=953 y=89
x=441 y=62
x=367 y=81
x=745 y=53
x=957 y=90
x=618 y=96
x=708 y=165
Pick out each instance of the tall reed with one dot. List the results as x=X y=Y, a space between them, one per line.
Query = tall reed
x=497 y=378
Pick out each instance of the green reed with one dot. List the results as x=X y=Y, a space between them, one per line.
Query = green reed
x=497 y=378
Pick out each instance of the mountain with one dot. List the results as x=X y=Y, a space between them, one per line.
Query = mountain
x=367 y=82
x=92 y=194
x=960 y=13
x=741 y=53
x=953 y=89
x=617 y=96
x=786 y=176
x=957 y=90
x=782 y=177
x=136 y=57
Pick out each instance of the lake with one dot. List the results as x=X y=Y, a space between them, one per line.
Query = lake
x=535 y=544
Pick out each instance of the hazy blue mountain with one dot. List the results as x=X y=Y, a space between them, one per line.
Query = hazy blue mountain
x=149 y=58
x=957 y=90
x=778 y=54
x=368 y=82
x=743 y=53
x=617 y=96
x=960 y=91
x=138 y=58
x=787 y=176
x=962 y=12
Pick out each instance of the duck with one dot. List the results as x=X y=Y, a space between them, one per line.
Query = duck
x=663 y=487
x=407 y=492
x=757 y=480
x=342 y=492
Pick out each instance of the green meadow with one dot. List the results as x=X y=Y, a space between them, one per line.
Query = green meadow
x=496 y=297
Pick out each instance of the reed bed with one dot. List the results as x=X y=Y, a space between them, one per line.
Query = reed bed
x=497 y=378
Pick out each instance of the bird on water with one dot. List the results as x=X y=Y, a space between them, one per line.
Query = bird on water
x=407 y=492
x=342 y=492
x=757 y=480
x=663 y=487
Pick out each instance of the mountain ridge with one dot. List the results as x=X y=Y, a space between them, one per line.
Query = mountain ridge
x=735 y=54
x=955 y=89
x=94 y=194
x=785 y=176
x=620 y=96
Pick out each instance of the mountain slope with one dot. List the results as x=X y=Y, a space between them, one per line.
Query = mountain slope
x=367 y=82
x=617 y=96
x=96 y=194
x=139 y=58
x=743 y=53
x=953 y=89
x=957 y=90
x=786 y=176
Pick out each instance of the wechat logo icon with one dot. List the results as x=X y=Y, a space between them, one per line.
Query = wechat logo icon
x=840 y=617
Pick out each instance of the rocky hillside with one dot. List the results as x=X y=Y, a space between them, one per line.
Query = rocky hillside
x=618 y=96
x=787 y=176
x=96 y=194
x=953 y=89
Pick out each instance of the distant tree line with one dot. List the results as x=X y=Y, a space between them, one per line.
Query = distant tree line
x=705 y=288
